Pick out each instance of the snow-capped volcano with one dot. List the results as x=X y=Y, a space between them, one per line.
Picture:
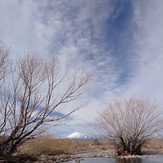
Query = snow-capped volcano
x=81 y=136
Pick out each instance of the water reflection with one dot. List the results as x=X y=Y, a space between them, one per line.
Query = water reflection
x=145 y=159
x=128 y=160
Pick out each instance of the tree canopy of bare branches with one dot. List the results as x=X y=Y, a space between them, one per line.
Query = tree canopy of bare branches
x=129 y=124
x=33 y=93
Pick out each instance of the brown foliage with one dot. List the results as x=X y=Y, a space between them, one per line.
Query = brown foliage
x=53 y=146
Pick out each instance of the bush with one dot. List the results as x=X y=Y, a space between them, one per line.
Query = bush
x=96 y=142
x=47 y=146
x=52 y=146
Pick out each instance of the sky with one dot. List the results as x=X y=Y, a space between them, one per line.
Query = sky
x=118 y=41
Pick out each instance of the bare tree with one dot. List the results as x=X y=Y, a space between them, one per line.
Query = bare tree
x=3 y=74
x=4 y=52
x=129 y=124
x=32 y=96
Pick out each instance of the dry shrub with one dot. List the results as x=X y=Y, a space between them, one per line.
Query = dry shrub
x=44 y=146
x=154 y=144
x=51 y=146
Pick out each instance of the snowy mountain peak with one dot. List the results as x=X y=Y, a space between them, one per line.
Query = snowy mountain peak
x=80 y=136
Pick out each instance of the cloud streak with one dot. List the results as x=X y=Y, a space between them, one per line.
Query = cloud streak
x=120 y=42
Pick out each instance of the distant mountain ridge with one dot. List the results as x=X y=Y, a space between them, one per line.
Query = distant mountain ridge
x=80 y=136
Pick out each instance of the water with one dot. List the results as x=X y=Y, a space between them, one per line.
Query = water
x=144 y=159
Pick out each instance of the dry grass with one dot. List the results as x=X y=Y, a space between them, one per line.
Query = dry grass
x=155 y=144
x=51 y=146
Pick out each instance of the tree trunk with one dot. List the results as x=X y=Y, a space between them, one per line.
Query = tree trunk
x=136 y=150
x=129 y=151
x=7 y=149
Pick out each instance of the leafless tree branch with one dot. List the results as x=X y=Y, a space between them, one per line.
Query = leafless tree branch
x=129 y=124
x=32 y=95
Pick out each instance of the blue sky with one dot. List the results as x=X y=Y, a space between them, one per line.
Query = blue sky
x=119 y=41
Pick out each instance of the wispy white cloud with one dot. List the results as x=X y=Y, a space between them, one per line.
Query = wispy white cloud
x=76 y=31
x=119 y=41
x=148 y=48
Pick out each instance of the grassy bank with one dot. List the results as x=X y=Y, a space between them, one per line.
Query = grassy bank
x=52 y=146
x=38 y=149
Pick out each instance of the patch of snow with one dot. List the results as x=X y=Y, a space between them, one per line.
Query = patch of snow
x=81 y=136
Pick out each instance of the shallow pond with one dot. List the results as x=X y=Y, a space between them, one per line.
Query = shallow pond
x=143 y=159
